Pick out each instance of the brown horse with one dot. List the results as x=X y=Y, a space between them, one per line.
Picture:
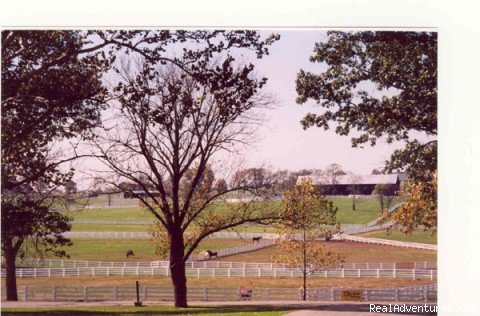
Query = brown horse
x=212 y=254
x=256 y=239
x=130 y=253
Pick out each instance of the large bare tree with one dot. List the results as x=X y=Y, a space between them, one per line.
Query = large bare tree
x=166 y=136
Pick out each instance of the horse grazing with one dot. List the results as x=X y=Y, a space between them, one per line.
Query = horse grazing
x=212 y=254
x=130 y=253
x=256 y=239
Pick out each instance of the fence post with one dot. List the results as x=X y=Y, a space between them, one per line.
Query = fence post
x=259 y=272
x=54 y=293
x=145 y=293
x=413 y=274
x=396 y=295
x=275 y=272
x=85 y=293
x=35 y=272
x=198 y=273
x=229 y=271
x=115 y=293
x=78 y=271
x=213 y=272
x=431 y=274
x=137 y=270
x=343 y=273
x=26 y=292
x=378 y=273
x=425 y=293
x=395 y=273
x=205 y=293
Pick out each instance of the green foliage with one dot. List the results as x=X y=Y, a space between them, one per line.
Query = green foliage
x=403 y=67
x=32 y=228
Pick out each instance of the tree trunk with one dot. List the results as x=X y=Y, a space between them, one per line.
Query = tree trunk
x=10 y=278
x=177 y=268
x=304 y=265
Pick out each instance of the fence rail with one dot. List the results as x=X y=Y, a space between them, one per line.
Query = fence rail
x=159 y=293
x=395 y=243
x=225 y=272
x=59 y=263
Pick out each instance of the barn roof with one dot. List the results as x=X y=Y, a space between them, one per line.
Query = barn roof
x=350 y=179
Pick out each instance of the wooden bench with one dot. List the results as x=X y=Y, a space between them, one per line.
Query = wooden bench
x=244 y=293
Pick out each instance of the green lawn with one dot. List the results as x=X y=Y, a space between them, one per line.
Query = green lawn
x=424 y=237
x=123 y=213
x=366 y=211
x=115 y=249
x=238 y=309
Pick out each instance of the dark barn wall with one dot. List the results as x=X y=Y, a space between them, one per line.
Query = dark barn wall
x=344 y=189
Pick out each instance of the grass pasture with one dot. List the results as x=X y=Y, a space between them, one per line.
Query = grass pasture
x=353 y=252
x=112 y=214
x=258 y=310
x=419 y=236
x=92 y=249
x=367 y=209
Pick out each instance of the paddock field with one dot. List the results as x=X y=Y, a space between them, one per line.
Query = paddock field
x=354 y=252
x=419 y=236
x=367 y=209
x=115 y=249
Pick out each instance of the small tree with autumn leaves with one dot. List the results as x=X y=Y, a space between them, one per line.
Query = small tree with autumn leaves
x=304 y=218
x=419 y=207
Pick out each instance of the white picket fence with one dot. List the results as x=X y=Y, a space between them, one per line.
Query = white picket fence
x=60 y=263
x=346 y=229
x=225 y=272
x=222 y=235
x=113 y=221
x=159 y=293
x=394 y=243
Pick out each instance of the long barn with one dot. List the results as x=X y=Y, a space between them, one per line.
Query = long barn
x=355 y=184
